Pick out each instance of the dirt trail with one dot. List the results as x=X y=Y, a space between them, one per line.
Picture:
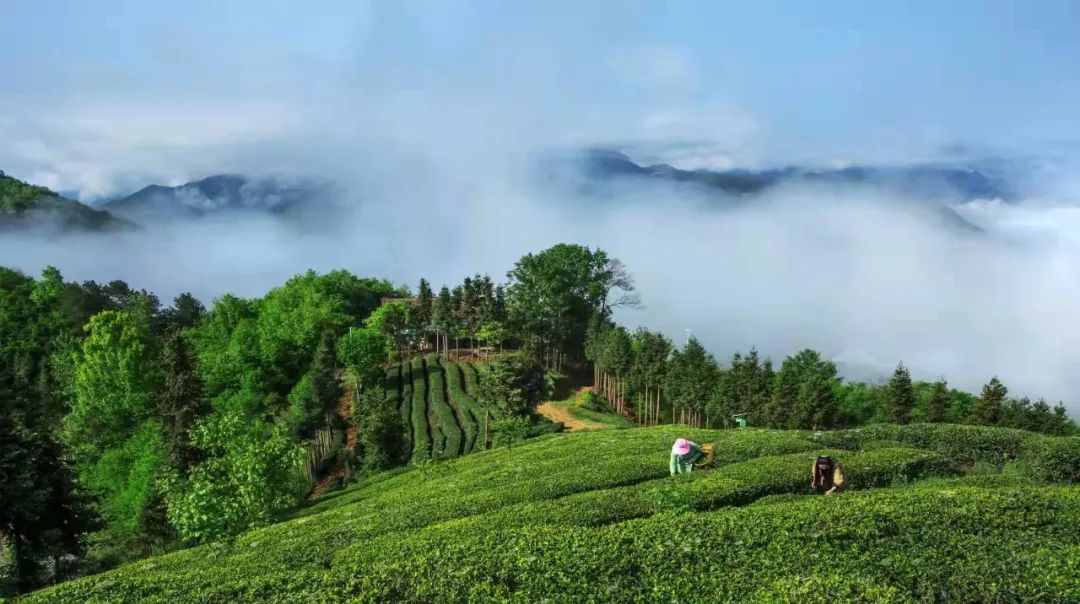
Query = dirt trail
x=561 y=414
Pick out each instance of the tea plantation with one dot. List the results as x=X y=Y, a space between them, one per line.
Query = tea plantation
x=594 y=517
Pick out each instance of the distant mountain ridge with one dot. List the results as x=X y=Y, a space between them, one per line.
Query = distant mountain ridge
x=220 y=193
x=929 y=181
x=24 y=205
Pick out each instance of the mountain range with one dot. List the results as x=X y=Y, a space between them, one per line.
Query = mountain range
x=219 y=194
x=928 y=182
x=929 y=188
x=597 y=173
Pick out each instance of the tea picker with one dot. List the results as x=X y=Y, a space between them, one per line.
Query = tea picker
x=687 y=455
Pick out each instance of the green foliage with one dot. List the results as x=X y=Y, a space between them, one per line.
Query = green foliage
x=553 y=294
x=363 y=351
x=464 y=406
x=449 y=440
x=421 y=435
x=510 y=430
x=390 y=320
x=901 y=396
x=17 y=196
x=1053 y=459
x=560 y=527
x=248 y=476
x=692 y=377
x=989 y=407
x=112 y=428
x=305 y=410
x=1049 y=458
x=492 y=333
x=514 y=383
x=180 y=401
x=379 y=429
x=938 y=406
x=116 y=379
x=124 y=476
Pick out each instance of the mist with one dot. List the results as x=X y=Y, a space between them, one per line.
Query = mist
x=866 y=279
x=431 y=149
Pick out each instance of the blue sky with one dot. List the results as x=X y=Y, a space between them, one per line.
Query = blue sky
x=103 y=95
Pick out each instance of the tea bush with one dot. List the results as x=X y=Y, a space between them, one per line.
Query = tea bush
x=594 y=517
x=421 y=429
x=470 y=412
x=1053 y=458
x=963 y=544
x=449 y=440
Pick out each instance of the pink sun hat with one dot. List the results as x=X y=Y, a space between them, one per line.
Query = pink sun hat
x=682 y=447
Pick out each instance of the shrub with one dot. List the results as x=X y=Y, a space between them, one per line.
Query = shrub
x=594 y=516
x=1055 y=459
x=463 y=404
x=419 y=420
x=448 y=442
x=958 y=443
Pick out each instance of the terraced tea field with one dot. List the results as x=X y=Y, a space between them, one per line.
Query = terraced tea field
x=594 y=517
x=441 y=416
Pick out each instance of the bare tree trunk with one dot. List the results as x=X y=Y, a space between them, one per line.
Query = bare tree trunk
x=658 y=408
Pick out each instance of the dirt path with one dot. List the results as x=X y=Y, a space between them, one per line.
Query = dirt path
x=562 y=414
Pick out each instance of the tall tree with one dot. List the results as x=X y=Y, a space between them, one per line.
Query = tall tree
x=938 y=408
x=443 y=317
x=901 y=396
x=552 y=295
x=816 y=403
x=691 y=381
x=379 y=428
x=186 y=312
x=316 y=396
x=515 y=383
x=425 y=305
x=989 y=407
x=112 y=428
x=180 y=402
x=42 y=514
x=647 y=373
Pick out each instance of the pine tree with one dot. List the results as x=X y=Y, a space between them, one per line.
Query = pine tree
x=989 y=407
x=42 y=514
x=425 y=299
x=901 y=396
x=186 y=312
x=691 y=381
x=781 y=409
x=938 y=407
x=180 y=402
x=379 y=425
x=324 y=376
x=816 y=403
x=442 y=318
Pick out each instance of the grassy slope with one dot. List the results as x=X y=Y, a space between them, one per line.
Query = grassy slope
x=593 y=516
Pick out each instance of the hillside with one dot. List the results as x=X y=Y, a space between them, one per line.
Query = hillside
x=440 y=416
x=25 y=205
x=593 y=516
x=926 y=189
x=222 y=193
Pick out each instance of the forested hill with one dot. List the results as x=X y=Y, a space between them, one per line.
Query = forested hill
x=221 y=193
x=128 y=428
x=25 y=205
